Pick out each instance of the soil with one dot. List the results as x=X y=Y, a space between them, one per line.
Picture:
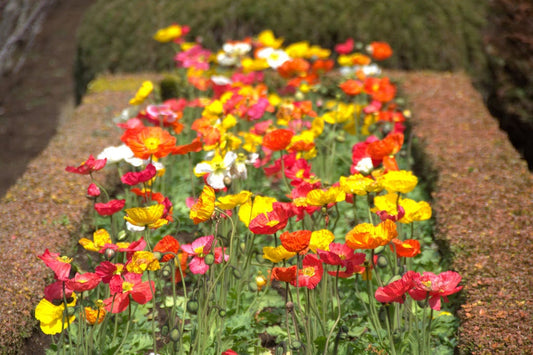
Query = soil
x=33 y=99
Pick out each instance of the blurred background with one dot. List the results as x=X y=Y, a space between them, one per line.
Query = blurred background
x=51 y=49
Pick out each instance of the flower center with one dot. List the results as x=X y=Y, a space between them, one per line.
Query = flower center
x=127 y=286
x=309 y=271
x=199 y=252
x=64 y=259
x=152 y=143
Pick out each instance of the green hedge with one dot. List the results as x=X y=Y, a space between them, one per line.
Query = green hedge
x=116 y=35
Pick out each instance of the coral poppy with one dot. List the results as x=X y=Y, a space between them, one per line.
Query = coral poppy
x=407 y=248
x=352 y=87
x=53 y=318
x=389 y=145
x=194 y=146
x=88 y=166
x=297 y=242
x=109 y=208
x=203 y=209
x=269 y=222
x=344 y=256
x=368 y=236
x=310 y=274
x=278 y=139
x=435 y=287
x=149 y=141
x=168 y=244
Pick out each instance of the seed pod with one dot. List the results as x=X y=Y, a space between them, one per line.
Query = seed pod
x=209 y=259
x=382 y=261
x=192 y=306
x=175 y=335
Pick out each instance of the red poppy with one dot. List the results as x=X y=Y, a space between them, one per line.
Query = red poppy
x=352 y=87
x=270 y=222
x=380 y=50
x=149 y=141
x=407 y=248
x=134 y=178
x=435 y=287
x=107 y=271
x=122 y=289
x=168 y=244
x=109 y=208
x=311 y=272
x=322 y=66
x=60 y=265
x=342 y=255
x=297 y=242
x=380 y=89
x=278 y=139
x=54 y=291
x=93 y=190
x=285 y=274
x=88 y=166
x=396 y=290
x=84 y=282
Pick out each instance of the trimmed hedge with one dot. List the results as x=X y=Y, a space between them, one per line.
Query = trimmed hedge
x=116 y=35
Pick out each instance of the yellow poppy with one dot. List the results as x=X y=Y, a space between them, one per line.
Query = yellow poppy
x=51 y=316
x=399 y=181
x=368 y=236
x=277 y=254
x=146 y=216
x=321 y=239
x=100 y=238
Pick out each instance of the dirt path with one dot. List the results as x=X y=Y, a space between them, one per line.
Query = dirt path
x=33 y=100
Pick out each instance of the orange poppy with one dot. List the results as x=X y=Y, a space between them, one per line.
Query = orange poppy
x=352 y=87
x=285 y=274
x=294 y=67
x=168 y=244
x=368 y=236
x=277 y=139
x=380 y=50
x=149 y=141
x=203 y=209
x=322 y=66
x=389 y=145
x=297 y=242
x=194 y=146
x=407 y=248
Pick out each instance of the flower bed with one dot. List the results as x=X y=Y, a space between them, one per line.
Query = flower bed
x=60 y=223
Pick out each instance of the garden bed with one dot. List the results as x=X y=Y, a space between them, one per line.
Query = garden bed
x=482 y=201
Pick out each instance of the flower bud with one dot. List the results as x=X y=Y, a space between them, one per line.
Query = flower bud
x=192 y=306
x=175 y=335
x=290 y=306
x=382 y=261
x=164 y=330
x=222 y=313
x=296 y=345
x=209 y=259
x=227 y=181
x=109 y=254
x=122 y=235
x=93 y=191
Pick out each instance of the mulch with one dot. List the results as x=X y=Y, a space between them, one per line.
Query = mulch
x=483 y=205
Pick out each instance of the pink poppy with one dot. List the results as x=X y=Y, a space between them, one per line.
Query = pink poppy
x=344 y=256
x=199 y=249
x=346 y=47
x=93 y=190
x=83 y=282
x=396 y=290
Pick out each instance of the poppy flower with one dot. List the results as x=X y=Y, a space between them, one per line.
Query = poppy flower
x=93 y=191
x=396 y=290
x=415 y=211
x=83 y=282
x=399 y=181
x=131 y=287
x=321 y=239
x=310 y=274
x=94 y=316
x=107 y=271
x=199 y=249
x=368 y=236
x=345 y=47
x=101 y=237
x=150 y=216
x=217 y=169
x=407 y=248
x=277 y=254
x=269 y=222
x=251 y=209
x=344 y=256
x=359 y=184
x=204 y=207
x=297 y=241
x=380 y=50
x=435 y=287
x=293 y=67
x=88 y=166
x=171 y=33
x=149 y=141
x=277 y=139
x=52 y=317
x=60 y=265
x=168 y=244
x=141 y=261
x=320 y=197
x=142 y=93
x=285 y=274
x=389 y=145
x=134 y=178
x=352 y=87
x=109 y=208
